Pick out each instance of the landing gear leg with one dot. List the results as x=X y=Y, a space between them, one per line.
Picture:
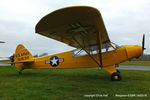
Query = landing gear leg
x=20 y=72
x=115 y=75
x=118 y=70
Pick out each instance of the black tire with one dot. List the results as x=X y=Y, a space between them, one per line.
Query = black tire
x=118 y=70
x=116 y=76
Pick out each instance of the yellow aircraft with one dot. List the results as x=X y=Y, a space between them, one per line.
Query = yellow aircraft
x=81 y=27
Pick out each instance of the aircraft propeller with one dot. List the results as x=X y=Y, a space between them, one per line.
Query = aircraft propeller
x=2 y=42
x=143 y=43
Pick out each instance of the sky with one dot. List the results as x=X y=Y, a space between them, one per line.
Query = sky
x=125 y=20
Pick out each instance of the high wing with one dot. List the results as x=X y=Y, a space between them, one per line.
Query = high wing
x=78 y=26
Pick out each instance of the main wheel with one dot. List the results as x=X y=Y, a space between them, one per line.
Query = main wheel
x=116 y=76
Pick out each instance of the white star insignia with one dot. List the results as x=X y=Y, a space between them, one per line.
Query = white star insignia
x=54 y=61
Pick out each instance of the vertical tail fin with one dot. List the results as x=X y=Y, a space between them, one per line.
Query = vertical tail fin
x=22 y=55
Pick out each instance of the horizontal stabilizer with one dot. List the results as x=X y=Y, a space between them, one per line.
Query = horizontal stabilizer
x=26 y=61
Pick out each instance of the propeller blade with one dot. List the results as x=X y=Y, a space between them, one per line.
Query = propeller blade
x=143 y=42
x=2 y=42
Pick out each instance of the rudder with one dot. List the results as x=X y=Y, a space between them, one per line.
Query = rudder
x=22 y=54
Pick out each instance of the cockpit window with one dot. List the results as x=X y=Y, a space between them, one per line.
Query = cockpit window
x=112 y=46
x=94 y=49
x=115 y=45
x=78 y=52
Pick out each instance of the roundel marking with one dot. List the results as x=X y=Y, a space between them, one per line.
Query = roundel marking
x=54 y=61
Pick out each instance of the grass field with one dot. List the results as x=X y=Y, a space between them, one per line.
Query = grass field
x=138 y=63
x=71 y=84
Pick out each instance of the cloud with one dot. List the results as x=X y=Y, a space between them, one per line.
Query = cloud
x=125 y=22
x=14 y=33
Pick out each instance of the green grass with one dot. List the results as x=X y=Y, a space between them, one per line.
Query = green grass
x=138 y=63
x=70 y=84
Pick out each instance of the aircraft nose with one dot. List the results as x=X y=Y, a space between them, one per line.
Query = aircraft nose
x=134 y=51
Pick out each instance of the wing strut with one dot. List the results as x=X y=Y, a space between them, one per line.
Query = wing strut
x=86 y=51
x=100 y=47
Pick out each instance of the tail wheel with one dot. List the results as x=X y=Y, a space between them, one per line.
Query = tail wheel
x=116 y=76
x=20 y=71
